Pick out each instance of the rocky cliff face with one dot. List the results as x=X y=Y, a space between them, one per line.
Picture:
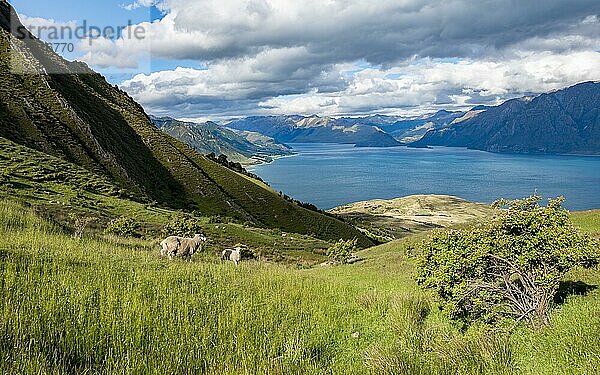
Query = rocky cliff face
x=565 y=121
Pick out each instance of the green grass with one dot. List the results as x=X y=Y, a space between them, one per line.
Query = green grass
x=106 y=305
x=60 y=187
x=57 y=189
x=588 y=221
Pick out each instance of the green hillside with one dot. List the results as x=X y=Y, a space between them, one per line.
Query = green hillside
x=107 y=305
x=58 y=190
x=79 y=117
x=209 y=137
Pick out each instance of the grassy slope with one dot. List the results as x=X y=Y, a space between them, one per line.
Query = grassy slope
x=112 y=306
x=57 y=188
x=401 y=217
x=51 y=179
x=588 y=221
x=83 y=119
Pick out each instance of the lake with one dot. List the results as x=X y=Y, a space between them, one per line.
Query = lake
x=330 y=175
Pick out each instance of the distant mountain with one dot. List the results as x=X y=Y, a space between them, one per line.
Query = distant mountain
x=80 y=118
x=315 y=129
x=209 y=137
x=413 y=129
x=380 y=121
x=564 y=121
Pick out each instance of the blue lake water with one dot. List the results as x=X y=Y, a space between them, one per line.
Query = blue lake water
x=330 y=175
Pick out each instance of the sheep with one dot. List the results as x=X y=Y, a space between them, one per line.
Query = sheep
x=168 y=245
x=234 y=255
x=175 y=246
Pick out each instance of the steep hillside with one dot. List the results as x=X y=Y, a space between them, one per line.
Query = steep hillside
x=79 y=117
x=58 y=190
x=315 y=129
x=565 y=121
x=209 y=137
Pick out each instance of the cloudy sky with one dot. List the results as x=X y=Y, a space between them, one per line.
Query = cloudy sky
x=216 y=59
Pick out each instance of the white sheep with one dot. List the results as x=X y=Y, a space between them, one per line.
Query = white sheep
x=175 y=246
x=168 y=245
x=234 y=255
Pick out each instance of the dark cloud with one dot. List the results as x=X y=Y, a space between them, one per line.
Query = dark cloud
x=381 y=32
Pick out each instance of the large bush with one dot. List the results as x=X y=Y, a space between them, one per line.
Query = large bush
x=510 y=267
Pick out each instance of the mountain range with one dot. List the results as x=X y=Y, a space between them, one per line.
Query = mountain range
x=80 y=118
x=564 y=121
x=410 y=130
x=209 y=137
x=316 y=129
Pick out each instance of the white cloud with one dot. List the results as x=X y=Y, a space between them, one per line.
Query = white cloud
x=139 y=4
x=422 y=86
x=40 y=27
x=36 y=22
x=383 y=32
x=106 y=53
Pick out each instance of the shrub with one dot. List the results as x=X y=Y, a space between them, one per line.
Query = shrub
x=510 y=267
x=123 y=226
x=80 y=223
x=219 y=220
x=343 y=250
x=183 y=226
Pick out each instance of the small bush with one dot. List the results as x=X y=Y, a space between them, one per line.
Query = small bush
x=343 y=250
x=123 y=226
x=183 y=226
x=80 y=223
x=219 y=220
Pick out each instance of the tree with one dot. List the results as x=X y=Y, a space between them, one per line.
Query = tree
x=509 y=267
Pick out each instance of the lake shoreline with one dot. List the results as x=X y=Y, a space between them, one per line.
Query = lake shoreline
x=250 y=167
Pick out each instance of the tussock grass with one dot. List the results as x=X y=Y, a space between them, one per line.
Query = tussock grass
x=101 y=305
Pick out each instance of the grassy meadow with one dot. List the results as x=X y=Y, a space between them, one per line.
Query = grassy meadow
x=112 y=306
